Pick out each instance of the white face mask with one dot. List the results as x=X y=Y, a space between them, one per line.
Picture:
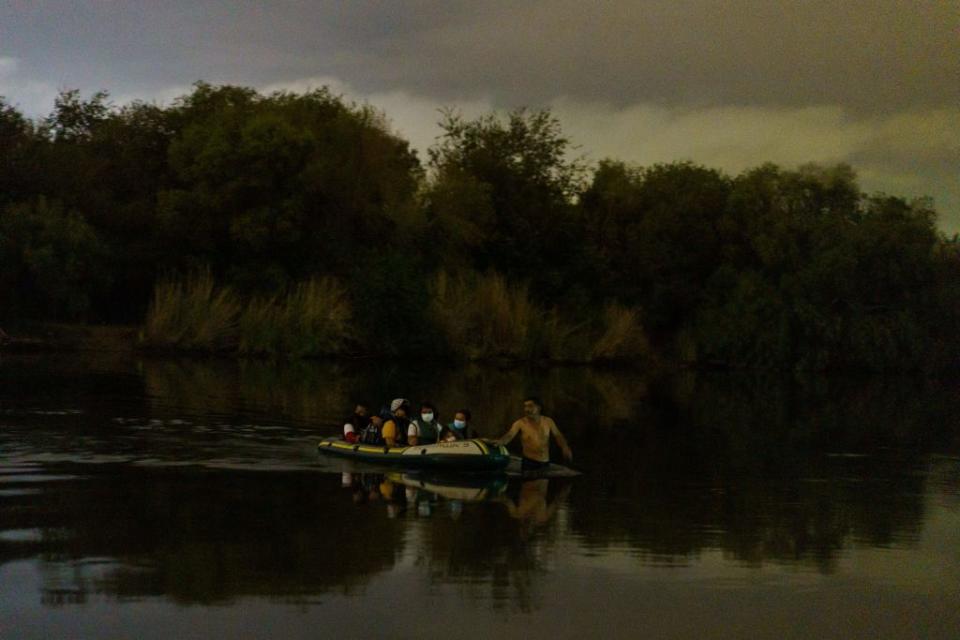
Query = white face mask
x=427 y=417
x=459 y=424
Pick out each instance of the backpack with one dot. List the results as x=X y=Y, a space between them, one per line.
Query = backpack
x=371 y=434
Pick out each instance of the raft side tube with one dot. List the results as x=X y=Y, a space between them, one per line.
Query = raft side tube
x=461 y=455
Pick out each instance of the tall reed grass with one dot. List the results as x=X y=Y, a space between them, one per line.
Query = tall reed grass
x=484 y=316
x=192 y=314
x=481 y=317
x=621 y=336
x=311 y=319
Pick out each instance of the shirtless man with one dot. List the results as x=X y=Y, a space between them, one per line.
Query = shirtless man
x=535 y=432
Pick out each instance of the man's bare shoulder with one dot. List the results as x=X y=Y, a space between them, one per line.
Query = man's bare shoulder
x=549 y=421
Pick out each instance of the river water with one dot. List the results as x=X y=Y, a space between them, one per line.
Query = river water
x=149 y=498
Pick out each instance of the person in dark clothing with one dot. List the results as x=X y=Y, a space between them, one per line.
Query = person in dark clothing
x=354 y=425
x=459 y=429
x=395 y=428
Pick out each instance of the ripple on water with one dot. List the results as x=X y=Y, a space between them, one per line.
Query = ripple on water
x=41 y=412
x=12 y=468
x=13 y=493
x=21 y=535
x=33 y=478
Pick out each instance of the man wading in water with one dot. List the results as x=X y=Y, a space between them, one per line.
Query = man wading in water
x=535 y=438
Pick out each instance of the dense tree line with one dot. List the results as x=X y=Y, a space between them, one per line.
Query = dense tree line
x=772 y=267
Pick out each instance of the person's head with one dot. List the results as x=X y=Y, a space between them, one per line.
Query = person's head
x=360 y=410
x=532 y=406
x=461 y=418
x=399 y=407
x=427 y=411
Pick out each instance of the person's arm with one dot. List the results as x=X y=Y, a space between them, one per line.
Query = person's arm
x=509 y=435
x=413 y=433
x=564 y=447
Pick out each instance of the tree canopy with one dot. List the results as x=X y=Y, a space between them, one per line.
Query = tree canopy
x=775 y=267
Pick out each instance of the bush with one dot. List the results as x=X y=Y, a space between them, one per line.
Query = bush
x=51 y=261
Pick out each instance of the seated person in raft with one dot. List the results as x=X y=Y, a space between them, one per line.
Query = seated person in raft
x=396 y=427
x=459 y=429
x=424 y=430
x=356 y=423
x=535 y=430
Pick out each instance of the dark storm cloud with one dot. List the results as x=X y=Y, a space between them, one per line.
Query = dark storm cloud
x=882 y=55
x=730 y=84
x=869 y=56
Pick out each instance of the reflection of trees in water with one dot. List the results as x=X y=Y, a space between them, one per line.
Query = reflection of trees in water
x=207 y=537
x=322 y=393
x=501 y=548
x=764 y=469
x=307 y=392
x=945 y=479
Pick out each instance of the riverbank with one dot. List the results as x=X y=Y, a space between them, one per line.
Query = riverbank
x=56 y=337
x=64 y=337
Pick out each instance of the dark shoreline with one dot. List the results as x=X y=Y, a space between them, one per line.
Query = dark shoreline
x=56 y=337
x=64 y=337
x=53 y=338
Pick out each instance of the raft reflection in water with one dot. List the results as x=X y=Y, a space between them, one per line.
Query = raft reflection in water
x=528 y=501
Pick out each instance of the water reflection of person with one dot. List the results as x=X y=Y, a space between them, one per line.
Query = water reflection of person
x=370 y=485
x=535 y=506
x=535 y=430
x=363 y=487
x=395 y=497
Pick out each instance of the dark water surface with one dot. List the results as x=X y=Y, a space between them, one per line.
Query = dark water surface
x=158 y=499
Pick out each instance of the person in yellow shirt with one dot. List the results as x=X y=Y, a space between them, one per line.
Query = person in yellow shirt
x=395 y=429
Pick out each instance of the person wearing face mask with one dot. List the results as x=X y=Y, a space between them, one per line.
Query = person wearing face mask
x=424 y=430
x=459 y=429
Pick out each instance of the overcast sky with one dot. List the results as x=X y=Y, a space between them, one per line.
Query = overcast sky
x=727 y=84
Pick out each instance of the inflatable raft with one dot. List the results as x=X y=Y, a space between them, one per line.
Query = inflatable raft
x=462 y=455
